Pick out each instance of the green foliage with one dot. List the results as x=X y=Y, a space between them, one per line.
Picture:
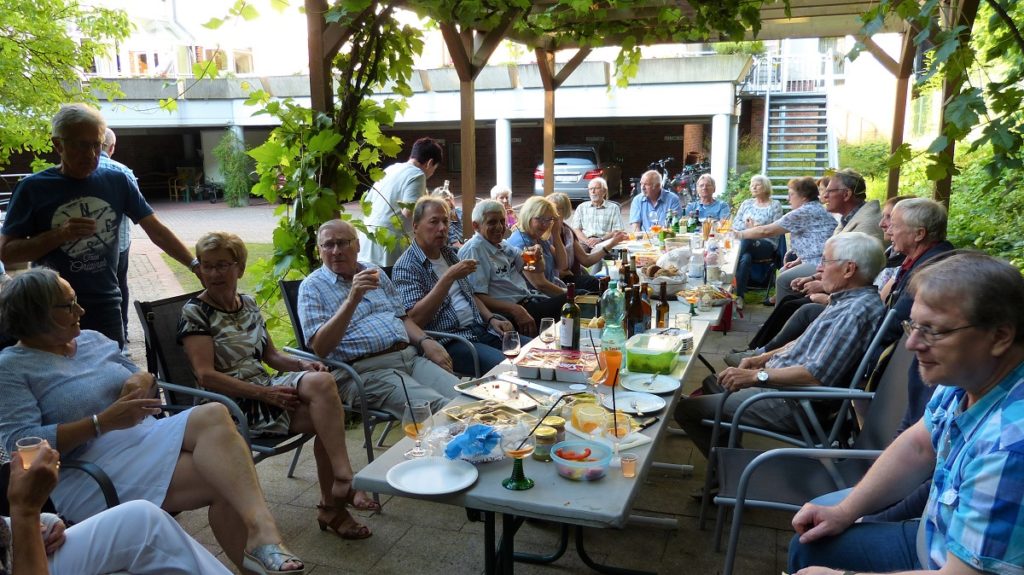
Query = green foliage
x=869 y=159
x=45 y=47
x=235 y=166
x=986 y=65
x=738 y=188
x=755 y=48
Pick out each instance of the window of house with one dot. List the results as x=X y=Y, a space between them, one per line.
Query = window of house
x=243 y=61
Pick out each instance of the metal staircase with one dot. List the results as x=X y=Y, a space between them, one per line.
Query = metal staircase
x=797 y=138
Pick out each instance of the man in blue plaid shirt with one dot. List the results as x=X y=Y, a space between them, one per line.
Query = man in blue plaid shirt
x=431 y=280
x=967 y=330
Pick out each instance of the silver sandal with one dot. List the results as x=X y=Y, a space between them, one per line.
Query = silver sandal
x=268 y=559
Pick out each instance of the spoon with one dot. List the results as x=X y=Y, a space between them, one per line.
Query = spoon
x=634 y=404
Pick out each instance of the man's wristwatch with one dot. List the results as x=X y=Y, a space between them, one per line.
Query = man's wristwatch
x=762 y=376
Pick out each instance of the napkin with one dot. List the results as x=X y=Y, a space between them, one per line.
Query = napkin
x=476 y=441
x=634 y=439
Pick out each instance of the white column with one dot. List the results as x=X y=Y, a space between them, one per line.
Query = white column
x=502 y=156
x=721 y=134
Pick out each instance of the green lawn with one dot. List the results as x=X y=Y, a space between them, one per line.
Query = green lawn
x=280 y=331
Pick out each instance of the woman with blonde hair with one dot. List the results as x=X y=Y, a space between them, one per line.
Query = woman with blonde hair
x=579 y=259
x=537 y=218
x=227 y=343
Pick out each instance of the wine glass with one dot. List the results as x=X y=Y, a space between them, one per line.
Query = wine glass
x=417 y=421
x=589 y=418
x=655 y=221
x=510 y=346
x=616 y=428
x=529 y=259
x=518 y=443
x=547 y=334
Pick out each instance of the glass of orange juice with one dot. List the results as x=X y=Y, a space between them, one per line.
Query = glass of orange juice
x=613 y=363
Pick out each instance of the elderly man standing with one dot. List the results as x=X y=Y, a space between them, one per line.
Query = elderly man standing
x=67 y=218
x=966 y=329
x=846 y=195
x=599 y=219
x=351 y=312
x=431 y=280
x=706 y=206
x=499 y=281
x=393 y=196
x=124 y=233
x=824 y=355
x=653 y=204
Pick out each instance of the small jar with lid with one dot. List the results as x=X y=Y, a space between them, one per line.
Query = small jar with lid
x=558 y=423
x=546 y=437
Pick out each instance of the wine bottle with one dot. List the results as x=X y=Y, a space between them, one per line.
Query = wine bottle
x=570 y=329
x=631 y=296
x=663 y=308
x=643 y=319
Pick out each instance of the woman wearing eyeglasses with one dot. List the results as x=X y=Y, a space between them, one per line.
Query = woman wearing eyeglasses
x=227 y=343
x=537 y=218
x=73 y=388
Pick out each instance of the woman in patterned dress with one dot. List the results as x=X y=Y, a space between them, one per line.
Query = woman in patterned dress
x=227 y=343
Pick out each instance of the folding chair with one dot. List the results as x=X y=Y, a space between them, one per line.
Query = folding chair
x=785 y=479
x=812 y=431
x=763 y=270
x=168 y=360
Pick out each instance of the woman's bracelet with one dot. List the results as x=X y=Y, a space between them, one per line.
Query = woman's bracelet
x=96 y=424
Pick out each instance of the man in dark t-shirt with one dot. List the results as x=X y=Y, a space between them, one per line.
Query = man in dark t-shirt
x=67 y=218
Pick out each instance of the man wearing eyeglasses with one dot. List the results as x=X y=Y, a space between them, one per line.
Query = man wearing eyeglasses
x=598 y=219
x=825 y=355
x=966 y=329
x=846 y=197
x=67 y=218
x=351 y=312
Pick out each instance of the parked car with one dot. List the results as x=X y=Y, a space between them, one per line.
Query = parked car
x=575 y=166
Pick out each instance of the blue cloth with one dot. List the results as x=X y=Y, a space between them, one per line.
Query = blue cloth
x=975 y=510
x=858 y=549
x=520 y=239
x=476 y=441
x=45 y=200
x=498 y=269
x=42 y=389
x=376 y=324
x=124 y=233
x=640 y=209
x=716 y=210
x=809 y=227
x=749 y=251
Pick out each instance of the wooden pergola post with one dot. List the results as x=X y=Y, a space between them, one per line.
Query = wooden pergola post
x=551 y=82
x=901 y=70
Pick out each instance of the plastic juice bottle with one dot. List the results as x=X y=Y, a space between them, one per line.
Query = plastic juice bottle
x=613 y=338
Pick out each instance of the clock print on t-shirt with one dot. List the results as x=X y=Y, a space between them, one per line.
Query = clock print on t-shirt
x=89 y=252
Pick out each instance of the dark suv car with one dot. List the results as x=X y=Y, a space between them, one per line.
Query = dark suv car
x=575 y=166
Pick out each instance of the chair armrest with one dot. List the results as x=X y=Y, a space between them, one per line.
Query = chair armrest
x=233 y=409
x=805 y=453
x=102 y=479
x=464 y=341
x=793 y=394
x=334 y=364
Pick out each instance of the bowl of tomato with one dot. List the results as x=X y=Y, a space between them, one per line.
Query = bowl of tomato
x=581 y=460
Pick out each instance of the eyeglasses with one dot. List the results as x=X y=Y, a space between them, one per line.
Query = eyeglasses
x=332 y=245
x=219 y=267
x=834 y=190
x=82 y=145
x=544 y=219
x=928 y=334
x=824 y=261
x=68 y=306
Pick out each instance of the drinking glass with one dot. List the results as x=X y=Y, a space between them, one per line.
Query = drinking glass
x=30 y=448
x=616 y=428
x=417 y=421
x=547 y=334
x=589 y=418
x=517 y=443
x=510 y=346
x=628 y=462
x=529 y=259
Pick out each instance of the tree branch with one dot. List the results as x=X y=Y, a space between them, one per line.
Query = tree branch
x=1005 y=17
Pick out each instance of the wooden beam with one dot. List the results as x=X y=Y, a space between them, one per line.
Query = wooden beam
x=460 y=57
x=899 y=116
x=321 y=90
x=961 y=14
x=571 y=66
x=884 y=59
x=492 y=38
x=467 y=136
x=546 y=64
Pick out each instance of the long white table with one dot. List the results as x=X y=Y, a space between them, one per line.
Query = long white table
x=603 y=503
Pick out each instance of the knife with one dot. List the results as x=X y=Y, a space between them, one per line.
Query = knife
x=529 y=384
x=645 y=423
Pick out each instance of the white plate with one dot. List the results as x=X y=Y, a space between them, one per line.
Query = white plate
x=645 y=402
x=432 y=475
x=639 y=381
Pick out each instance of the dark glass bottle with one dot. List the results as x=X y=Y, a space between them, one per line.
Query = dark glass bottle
x=662 y=312
x=570 y=330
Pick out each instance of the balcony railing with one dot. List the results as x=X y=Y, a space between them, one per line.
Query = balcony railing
x=788 y=74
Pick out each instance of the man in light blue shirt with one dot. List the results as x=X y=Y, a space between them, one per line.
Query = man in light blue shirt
x=124 y=232
x=653 y=205
x=706 y=206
